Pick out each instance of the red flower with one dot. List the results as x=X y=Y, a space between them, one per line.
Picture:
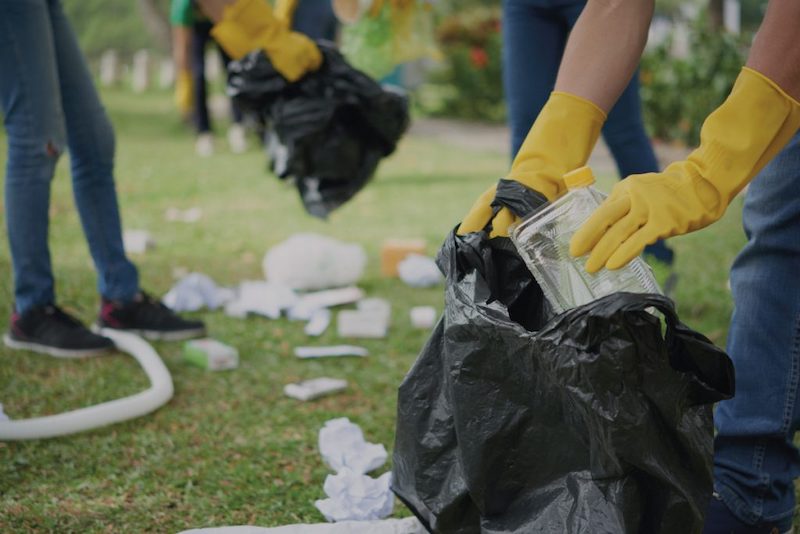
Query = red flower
x=479 y=57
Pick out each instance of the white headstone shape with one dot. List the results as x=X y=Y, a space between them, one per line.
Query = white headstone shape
x=141 y=71
x=109 y=68
x=166 y=74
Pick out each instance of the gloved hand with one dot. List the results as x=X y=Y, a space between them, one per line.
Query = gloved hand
x=248 y=25
x=560 y=140
x=184 y=92
x=284 y=10
x=737 y=140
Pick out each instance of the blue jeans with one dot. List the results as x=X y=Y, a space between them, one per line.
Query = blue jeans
x=315 y=18
x=534 y=36
x=755 y=460
x=49 y=103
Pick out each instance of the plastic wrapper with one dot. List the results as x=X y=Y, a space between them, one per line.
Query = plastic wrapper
x=514 y=420
x=328 y=131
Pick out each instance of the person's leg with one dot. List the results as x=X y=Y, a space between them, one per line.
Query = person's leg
x=316 y=19
x=533 y=43
x=627 y=140
x=34 y=121
x=755 y=461
x=90 y=139
x=201 y=33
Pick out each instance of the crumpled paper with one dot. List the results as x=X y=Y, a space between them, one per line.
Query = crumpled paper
x=195 y=291
x=352 y=496
x=343 y=446
x=419 y=271
x=261 y=298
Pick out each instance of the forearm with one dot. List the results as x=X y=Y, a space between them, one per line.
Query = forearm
x=604 y=49
x=181 y=40
x=776 y=48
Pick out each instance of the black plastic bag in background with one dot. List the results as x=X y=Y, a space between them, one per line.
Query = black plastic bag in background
x=328 y=131
x=593 y=421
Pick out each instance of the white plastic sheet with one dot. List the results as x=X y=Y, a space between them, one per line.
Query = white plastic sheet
x=308 y=262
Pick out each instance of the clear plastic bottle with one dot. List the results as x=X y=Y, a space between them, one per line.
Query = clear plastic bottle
x=542 y=239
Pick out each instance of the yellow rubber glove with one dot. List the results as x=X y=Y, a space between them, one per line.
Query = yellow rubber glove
x=737 y=140
x=184 y=92
x=248 y=25
x=284 y=10
x=561 y=140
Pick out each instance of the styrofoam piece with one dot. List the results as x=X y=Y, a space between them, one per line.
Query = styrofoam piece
x=423 y=317
x=211 y=354
x=261 y=298
x=190 y=215
x=318 y=323
x=419 y=271
x=307 y=304
x=314 y=388
x=309 y=262
x=355 y=497
x=362 y=324
x=106 y=413
x=137 y=241
x=342 y=446
x=331 y=351
x=407 y=525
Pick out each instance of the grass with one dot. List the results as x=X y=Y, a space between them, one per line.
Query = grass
x=230 y=448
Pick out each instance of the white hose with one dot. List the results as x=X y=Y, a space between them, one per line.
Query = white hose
x=115 y=411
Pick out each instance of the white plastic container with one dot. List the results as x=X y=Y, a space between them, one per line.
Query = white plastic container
x=543 y=239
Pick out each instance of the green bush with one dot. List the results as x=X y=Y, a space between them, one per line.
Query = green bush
x=469 y=85
x=678 y=94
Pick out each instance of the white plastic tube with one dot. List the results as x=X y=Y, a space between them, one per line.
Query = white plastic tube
x=107 y=413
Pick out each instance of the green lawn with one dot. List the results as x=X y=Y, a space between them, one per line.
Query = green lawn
x=230 y=448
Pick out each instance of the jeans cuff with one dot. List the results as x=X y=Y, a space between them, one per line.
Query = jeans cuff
x=743 y=511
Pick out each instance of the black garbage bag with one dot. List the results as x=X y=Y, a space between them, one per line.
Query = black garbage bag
x=598 y=420
x=327 y=131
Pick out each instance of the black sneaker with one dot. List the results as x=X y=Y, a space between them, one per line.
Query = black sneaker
x=149 y=318
x=50 y=330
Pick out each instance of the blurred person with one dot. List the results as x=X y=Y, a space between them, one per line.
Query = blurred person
x=752 y=137
x=314 y=18
x=191 y=34
x=50 y=105
x=534 y=37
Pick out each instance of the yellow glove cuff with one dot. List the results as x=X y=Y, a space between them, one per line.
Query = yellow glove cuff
x=241 y=23
x=284 y=10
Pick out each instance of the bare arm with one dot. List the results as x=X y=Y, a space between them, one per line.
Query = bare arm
x=604 y=49
x=181 y=39
x=776 y=49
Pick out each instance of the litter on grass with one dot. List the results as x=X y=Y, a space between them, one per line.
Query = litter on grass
x=393 y=251
x=261 y=298
x=342 y=446
x=307 y=304
x=211 y=354
x=309 y=262
x=196 y=291
x=361 y=324
x=419 y=271
x=315 y=388
x=408 y=525
x=3 y=416
x=329 y=352
x=190 y=215
x=137 y=241
x=423 y=317
x=354 y=497
x=319 y=322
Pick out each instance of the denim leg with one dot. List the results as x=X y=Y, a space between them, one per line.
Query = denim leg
x=31 y=101
x=90 y=138
x=533 y=43
x=755 y=460
x=201 y=34
x=315 y=18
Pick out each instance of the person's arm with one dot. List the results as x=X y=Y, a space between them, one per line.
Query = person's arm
x=737 y=140
x=602 y=53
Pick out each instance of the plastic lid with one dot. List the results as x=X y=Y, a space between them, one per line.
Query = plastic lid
x=580 y=177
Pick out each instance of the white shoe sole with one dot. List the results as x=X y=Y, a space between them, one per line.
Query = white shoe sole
x=157 y=335
x=53 y=351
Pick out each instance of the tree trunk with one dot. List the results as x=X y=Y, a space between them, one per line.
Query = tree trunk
x=156 y=23
x=715 y=14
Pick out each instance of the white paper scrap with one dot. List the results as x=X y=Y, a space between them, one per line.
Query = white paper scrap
x=362 y=324
x=423 y=316
x=332 y=351
x=307 y=304
x=342 y=446
x=315 y=388
x=261 y=298
x=318 y=323
x=137 y=241
x=356 y=497
x=195 y=291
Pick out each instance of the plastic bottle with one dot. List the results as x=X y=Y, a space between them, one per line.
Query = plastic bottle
x=542 y=239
